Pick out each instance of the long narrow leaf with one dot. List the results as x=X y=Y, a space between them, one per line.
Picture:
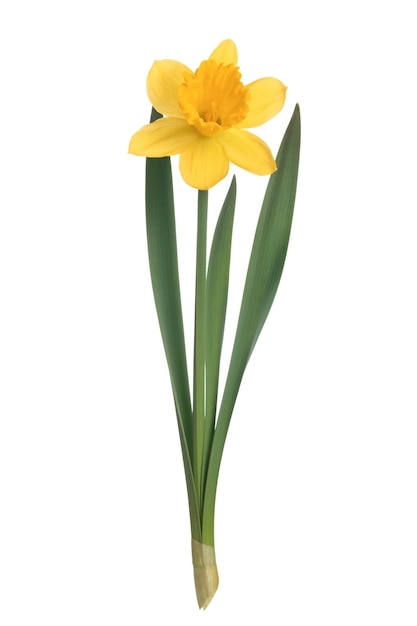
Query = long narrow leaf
x=263 y=276
x=193 y=503
x=217 y=291
x=163 y=262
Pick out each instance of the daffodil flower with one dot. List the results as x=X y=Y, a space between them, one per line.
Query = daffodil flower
x=206 y=112
x=202 y=116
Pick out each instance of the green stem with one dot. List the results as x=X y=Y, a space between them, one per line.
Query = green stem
x=226 y=409
x=200 y=342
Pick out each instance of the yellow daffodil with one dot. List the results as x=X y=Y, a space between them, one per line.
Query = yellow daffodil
x=206 y=112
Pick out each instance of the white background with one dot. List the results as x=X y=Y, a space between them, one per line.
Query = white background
x=316 y=514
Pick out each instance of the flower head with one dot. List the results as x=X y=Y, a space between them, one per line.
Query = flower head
x=206 y=112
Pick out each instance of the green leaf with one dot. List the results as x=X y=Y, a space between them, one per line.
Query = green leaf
x=263 y=276
x=216 y=304
x=163 y=262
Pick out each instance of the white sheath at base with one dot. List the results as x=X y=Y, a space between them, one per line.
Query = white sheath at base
x=206 y=577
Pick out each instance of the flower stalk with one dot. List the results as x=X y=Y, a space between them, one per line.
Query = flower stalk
x=200 y=342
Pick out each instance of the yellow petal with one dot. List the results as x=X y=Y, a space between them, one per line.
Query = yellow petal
x=247 y=151
x=267 y=97
x=162 y=84
x=204 y=163
x=226 y=52
x=165 y=137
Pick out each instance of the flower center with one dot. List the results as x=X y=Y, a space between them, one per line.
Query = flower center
x=213 y=98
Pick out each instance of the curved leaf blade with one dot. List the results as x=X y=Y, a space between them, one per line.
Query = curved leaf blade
x=216 y=304
x=163 y=263
x=264 y=272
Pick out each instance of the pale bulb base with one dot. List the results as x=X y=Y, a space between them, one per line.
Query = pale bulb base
x=206 y=577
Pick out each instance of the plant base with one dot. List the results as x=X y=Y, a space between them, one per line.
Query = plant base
x=206 y=577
